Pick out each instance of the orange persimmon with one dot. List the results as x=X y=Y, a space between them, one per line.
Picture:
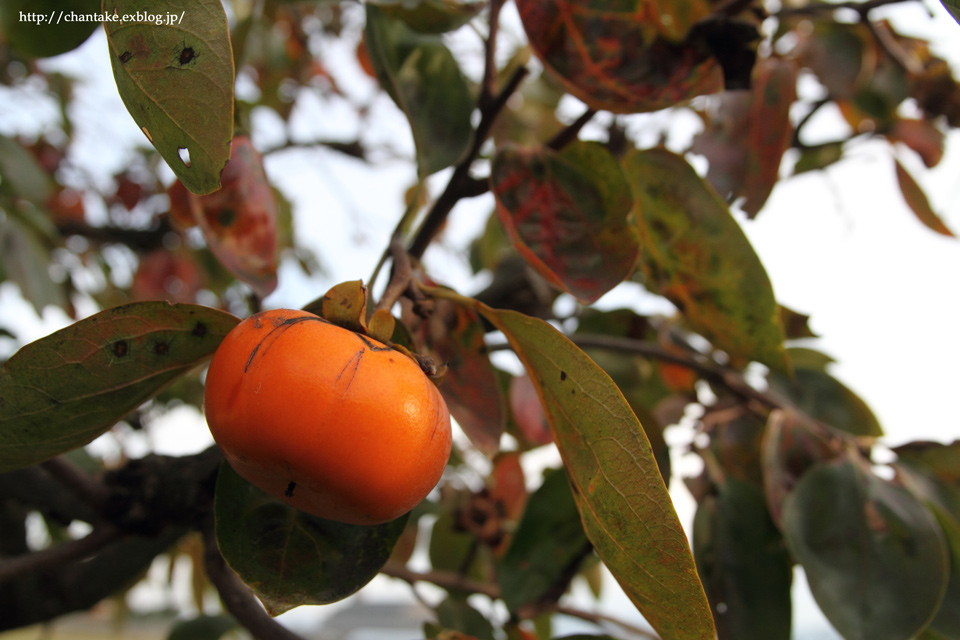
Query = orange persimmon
x=330 y=421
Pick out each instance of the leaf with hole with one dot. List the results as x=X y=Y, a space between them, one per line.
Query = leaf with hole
x=290 y=558
x=62 y=391
x=568 y=214
x=177 y=83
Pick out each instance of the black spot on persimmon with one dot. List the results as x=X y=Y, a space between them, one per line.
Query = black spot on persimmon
x=187 y=55
x=199 y=330
x=161 y=348
x=125 y=57
x=289 y=490
x=120 y=348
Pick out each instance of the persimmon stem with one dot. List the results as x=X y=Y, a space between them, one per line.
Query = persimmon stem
x=237 y=597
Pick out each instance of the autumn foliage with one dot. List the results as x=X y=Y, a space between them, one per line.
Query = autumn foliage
x=335 y=461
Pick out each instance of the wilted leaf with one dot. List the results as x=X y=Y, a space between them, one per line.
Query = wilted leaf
x=176 y=81
x=695 y=254
x=875 y=558
x=743 y=564
x=54 y=29
x=64 y=390
x=568 y=214
x=547 y=549
x=290 y=558
x=424 y=80
x=239 y=221
x=626 y=510
x=624 y=57
x=922 y=136
x=918 y=203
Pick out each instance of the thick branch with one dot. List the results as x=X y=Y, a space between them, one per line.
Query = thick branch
x=56 y=556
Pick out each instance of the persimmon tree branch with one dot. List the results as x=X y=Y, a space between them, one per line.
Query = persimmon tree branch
x=56 y=556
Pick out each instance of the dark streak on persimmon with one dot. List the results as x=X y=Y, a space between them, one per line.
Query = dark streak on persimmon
x=282 y=325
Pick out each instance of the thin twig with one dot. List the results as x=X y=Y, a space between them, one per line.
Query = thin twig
x=401 y=276
x=813 y=8
x=488 y=85
x=55 y=557
x=237 y=597
x=571 y=131
x=600 y=619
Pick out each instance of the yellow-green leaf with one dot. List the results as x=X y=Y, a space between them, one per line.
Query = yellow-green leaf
x=176 y=80
x=625 y=507
x=695 y=254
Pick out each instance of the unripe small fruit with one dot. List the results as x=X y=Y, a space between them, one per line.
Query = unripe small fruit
x=331 y=422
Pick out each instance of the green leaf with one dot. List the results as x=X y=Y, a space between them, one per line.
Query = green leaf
x=44 y=28
x=62 y=391
x=953 y=7
x=547 y=547
x=568 y=214
x=875 y=558
x=823 y=397
x=932 y=472
x=421 y=75
x=203 y=628
x=695 y=254
x=176 y=81
x=25 y=259
x=21 y=173
x=625 y=507
x=743 y=563
x=432 y=16
x=455 y=614
x=918 y=202
x=291 y=558
x=622 y=56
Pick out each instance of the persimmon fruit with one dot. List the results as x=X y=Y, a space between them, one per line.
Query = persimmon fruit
x=327 y=420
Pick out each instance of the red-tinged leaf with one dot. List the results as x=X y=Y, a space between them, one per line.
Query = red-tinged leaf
x=723 y=141
x=874 y=556
x=239 y=221
x=695 y=254
x=922 y=136
x=64 y=390
x=528 y=412
x=291 y=558
x=568 y=213
x=918 y=203
x=625 y=507
x=176 y=81
x=774 y=92
x=167 y=275
x=624 y=57
x=454 y=336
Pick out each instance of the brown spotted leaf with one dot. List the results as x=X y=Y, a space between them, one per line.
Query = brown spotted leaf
x=918 y=202
x=239 y=221
x=625 y=507
x=624 y=57
x=62 y=391
x=176 y=81
x=568 y=214
x=695 y=254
